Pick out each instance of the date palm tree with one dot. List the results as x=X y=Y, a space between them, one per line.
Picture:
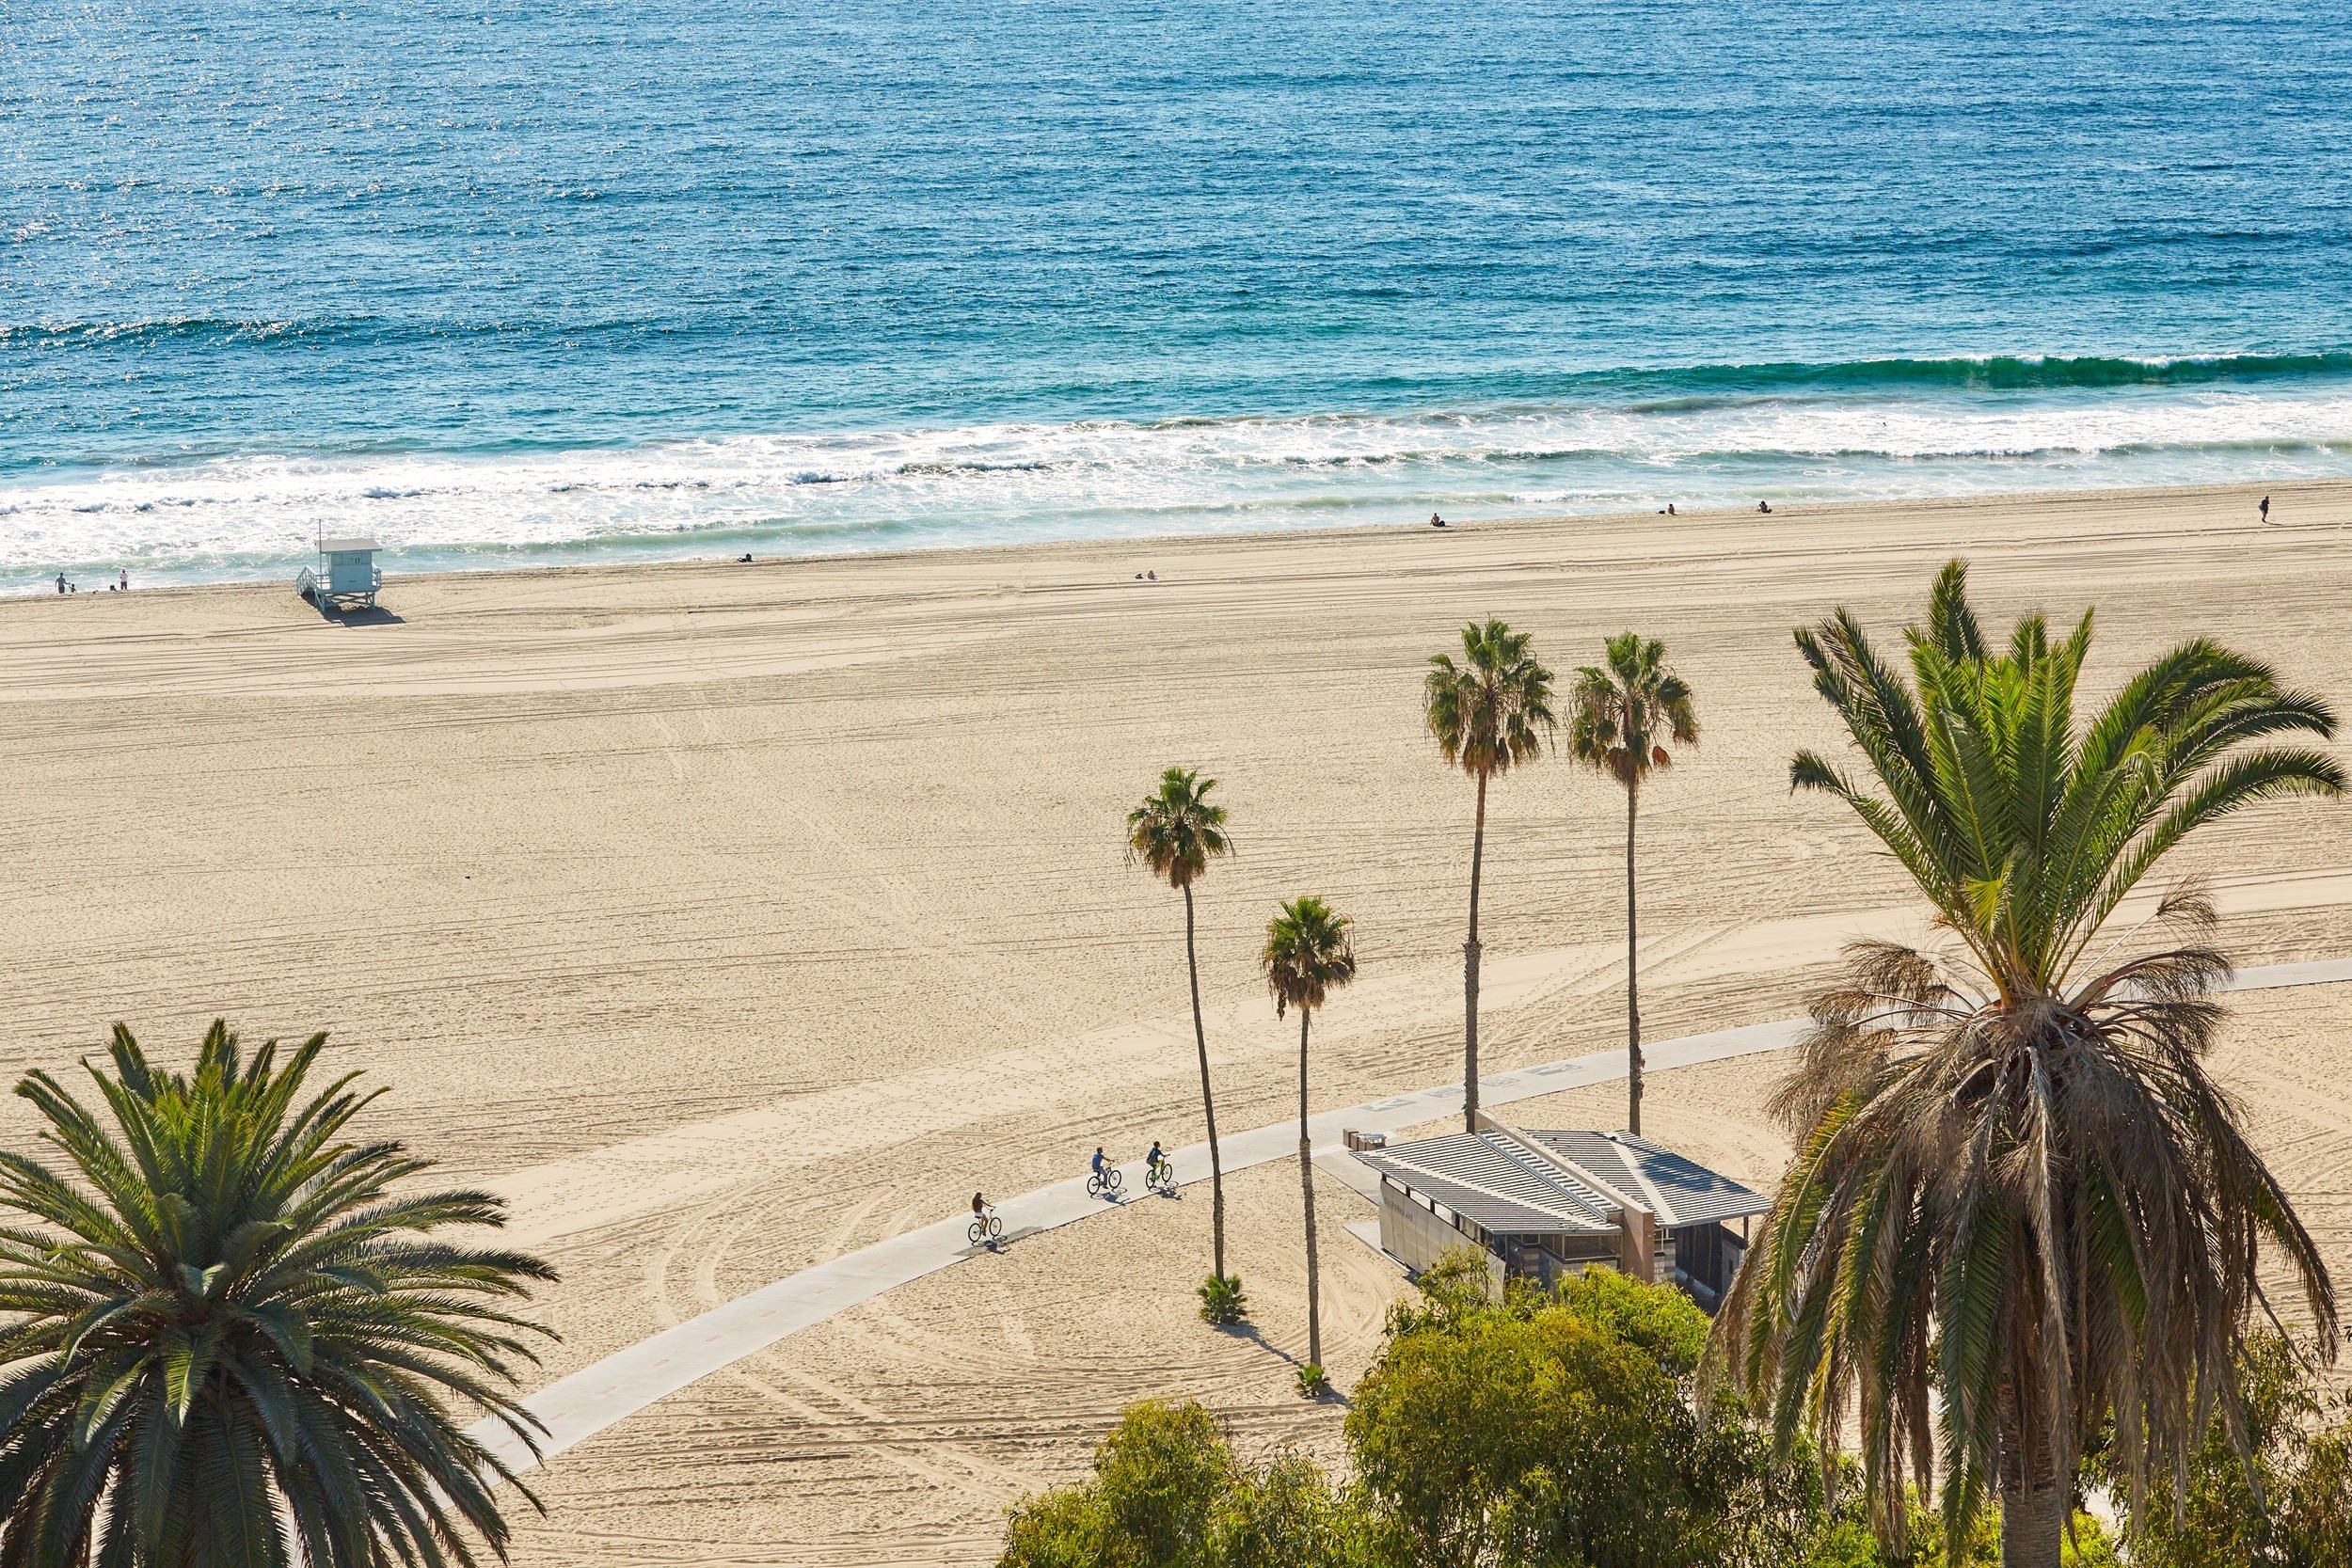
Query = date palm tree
x=1308 y=953
x=1622 y=714
x=229 y=1343
x=1175 y=832
x=2016 y=1190
x=1488 y=713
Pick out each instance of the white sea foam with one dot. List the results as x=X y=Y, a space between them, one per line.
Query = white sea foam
x=976 y=483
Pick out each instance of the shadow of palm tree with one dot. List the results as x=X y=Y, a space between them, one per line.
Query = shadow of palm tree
x=1257 y=1337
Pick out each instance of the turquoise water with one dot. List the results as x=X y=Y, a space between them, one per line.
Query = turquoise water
x=573 y=281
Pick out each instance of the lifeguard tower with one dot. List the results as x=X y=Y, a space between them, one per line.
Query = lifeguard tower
x=347 y=574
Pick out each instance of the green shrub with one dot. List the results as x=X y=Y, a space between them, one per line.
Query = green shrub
x=1312 y=1382
x=1844 y=1539
x=1222 y=1302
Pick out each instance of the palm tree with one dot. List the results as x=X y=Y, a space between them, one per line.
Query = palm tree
x=1308 y=955
x=1624 y=711
x=1176 y=833
x=1488 y=712
x=2016 y=1190
x=228 y=1343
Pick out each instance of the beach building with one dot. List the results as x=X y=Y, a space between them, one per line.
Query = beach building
x=1547 y=1204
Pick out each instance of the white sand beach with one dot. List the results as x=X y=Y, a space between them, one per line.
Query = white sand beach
x=729 y=917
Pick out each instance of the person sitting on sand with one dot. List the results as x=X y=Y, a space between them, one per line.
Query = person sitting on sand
x=1152 y=576
x=742 y=560
x=1436 y=521
x=1765 y=507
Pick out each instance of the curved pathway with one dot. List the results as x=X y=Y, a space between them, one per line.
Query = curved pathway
x=577 y=1407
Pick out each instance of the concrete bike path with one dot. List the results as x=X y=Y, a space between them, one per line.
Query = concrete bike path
x=576 y=1408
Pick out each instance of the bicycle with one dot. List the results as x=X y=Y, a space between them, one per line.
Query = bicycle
x=1103 y=1182
x=1160 y=1177
x=985 y=1230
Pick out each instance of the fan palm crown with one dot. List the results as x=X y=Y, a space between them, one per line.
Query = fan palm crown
x=1493 y=710
x=2017 y=1193
x=227 y=1341
x=1308 y=953
x=1624 y=711
x=1177 y=829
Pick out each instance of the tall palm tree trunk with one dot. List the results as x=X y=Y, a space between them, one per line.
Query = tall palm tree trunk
x=1470 y=971
x=1208 y=1104
x=2034 y=1506
x=1307 y=1190
x=1632 y=997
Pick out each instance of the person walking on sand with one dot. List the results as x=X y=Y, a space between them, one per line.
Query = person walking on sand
x=60 y=582
x=126 y=579
x=2264 y=509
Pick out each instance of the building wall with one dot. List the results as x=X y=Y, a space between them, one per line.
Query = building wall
x=1417 y=1238
x=1707 y=1256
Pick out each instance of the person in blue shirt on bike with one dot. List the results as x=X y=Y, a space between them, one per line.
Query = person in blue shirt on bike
x=1154 y=1161
x=1096 y=1163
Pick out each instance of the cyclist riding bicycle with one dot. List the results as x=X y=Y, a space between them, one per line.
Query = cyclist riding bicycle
x=1095 y=1165
x=1154 y=1161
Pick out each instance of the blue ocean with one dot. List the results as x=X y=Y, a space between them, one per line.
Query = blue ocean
x=564 y=280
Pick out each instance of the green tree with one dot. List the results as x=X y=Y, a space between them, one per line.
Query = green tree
x=2285 y=1503
x=1487 y=714
x=1289 y=1515
x=228 y=1342
x=1176 y=831
x=1623 y=713
x=2015 y=1186
x=1308 y=953
x=1167 y=1492
x=1538 y=1431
